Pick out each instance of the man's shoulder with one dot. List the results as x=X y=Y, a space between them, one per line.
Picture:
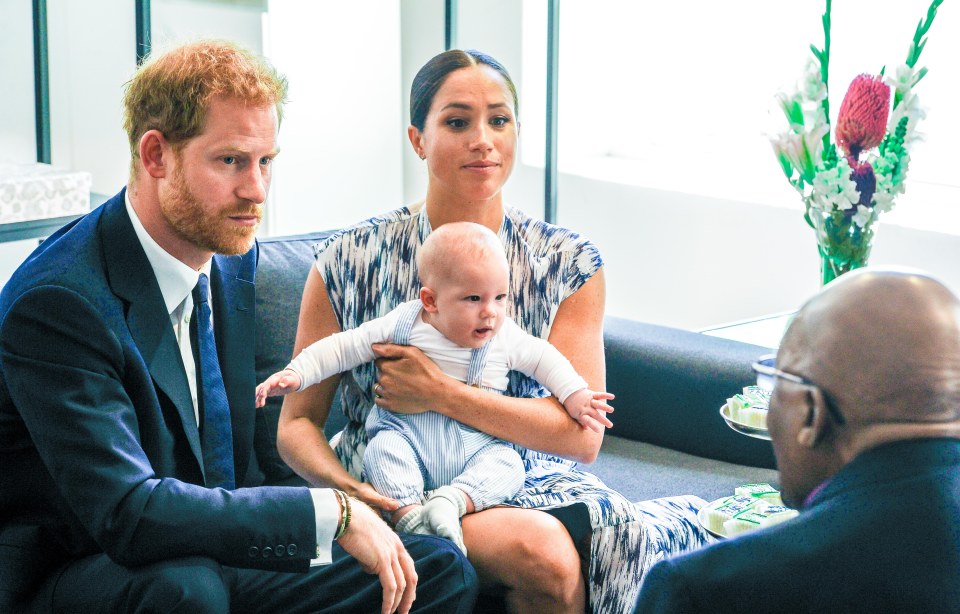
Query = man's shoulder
x=70 y=258
x=721 y=576
x=766 y=553
x=242 y=267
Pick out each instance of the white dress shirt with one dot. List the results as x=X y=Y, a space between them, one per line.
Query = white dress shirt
x=176 y=281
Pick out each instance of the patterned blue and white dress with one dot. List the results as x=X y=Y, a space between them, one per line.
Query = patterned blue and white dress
x=371 y=268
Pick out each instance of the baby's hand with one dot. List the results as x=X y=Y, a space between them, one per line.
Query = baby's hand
x=590 y=409
x=281 y=382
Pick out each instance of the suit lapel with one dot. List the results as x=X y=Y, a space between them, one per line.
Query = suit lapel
x=130 y=276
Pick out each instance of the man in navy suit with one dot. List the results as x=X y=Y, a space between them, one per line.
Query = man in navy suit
x=865 y=422
x=106 y=500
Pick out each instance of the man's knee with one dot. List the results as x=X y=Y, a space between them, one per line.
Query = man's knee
x=447 y=580
x=98 y=584
x=193 y=584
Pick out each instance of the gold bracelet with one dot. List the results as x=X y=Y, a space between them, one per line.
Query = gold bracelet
x=344 y=512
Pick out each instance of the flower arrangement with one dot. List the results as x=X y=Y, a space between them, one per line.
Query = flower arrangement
x=847 y=184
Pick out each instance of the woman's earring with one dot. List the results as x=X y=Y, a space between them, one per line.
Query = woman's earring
x=423 y=156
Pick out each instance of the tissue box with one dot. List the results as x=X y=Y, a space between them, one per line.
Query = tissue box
x=40 y=191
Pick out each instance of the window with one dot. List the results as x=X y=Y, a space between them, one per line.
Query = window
x=680 y=97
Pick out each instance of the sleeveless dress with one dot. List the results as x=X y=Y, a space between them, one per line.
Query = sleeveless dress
x=370 y=268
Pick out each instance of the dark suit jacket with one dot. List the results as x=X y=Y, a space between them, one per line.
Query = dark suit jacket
x=99 y=447
x=882 y=536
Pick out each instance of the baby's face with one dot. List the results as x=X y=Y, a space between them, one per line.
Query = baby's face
x=472 y=304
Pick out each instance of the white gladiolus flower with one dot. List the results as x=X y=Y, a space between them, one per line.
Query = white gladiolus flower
x=834 y=190
x=882 y=201
x=863 y=216
x=811 y=84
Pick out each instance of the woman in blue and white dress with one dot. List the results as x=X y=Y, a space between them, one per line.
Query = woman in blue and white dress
x=567 y=543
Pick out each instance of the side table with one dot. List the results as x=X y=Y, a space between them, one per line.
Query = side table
x=765 y=330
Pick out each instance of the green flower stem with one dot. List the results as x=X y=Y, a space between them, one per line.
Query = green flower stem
x=842 y=244
x=823 y=55
x=916 y=47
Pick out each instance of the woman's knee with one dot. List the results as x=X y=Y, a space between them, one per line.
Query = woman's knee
x=543 y=565
x=554 y=566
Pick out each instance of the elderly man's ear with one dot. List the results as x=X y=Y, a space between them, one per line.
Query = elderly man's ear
x=817 y=420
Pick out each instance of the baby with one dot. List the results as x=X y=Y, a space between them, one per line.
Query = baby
x=460 y=323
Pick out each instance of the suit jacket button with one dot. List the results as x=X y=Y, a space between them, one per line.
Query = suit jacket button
x=292 y=550
x=267 y=551
x=280 y=550
x=253 y=552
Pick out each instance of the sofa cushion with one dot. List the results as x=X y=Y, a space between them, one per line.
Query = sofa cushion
x=642 y=471
x=284 y=263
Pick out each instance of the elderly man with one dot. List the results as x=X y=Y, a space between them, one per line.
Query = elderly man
x=865 y=422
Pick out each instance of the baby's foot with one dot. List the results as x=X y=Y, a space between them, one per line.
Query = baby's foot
x=439 y=516
x=412 y=522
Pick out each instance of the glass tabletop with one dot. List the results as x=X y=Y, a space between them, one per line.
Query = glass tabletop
x=765 y=331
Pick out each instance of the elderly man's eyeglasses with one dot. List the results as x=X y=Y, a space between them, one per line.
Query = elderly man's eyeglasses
x=768 y=373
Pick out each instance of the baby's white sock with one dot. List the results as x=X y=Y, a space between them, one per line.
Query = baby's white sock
x=442 y=512
x=439 y=516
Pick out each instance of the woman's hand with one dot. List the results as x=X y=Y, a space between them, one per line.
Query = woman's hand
x=408 y=381
x=366 y=493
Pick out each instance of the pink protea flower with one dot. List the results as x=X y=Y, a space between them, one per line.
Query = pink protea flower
x=862 y=120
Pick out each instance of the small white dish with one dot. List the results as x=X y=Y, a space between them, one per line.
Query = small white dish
x=743 y=429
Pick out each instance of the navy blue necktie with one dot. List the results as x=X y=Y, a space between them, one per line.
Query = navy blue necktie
x=216 y=434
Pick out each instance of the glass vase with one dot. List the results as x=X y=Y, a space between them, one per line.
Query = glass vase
x=842 y=243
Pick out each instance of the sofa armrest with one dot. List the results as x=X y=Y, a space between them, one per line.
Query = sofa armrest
x=670 y=385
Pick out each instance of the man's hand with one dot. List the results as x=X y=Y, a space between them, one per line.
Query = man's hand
x=280 y=383
x=590 y=409
x=379 y=551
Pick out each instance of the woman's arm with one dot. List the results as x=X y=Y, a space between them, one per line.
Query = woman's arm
x=410 y=381
x=300 y=438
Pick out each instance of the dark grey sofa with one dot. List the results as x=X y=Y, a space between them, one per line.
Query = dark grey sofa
x=668 y=437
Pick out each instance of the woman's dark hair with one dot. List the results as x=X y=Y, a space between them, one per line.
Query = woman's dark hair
x=435 y=72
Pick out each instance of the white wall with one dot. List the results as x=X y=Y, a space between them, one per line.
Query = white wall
x=92 y=54
x=343 y=134
x=17 y=136
x=422 y=32
x=694 y=261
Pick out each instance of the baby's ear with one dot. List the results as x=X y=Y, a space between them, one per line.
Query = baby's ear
x=429 y=299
